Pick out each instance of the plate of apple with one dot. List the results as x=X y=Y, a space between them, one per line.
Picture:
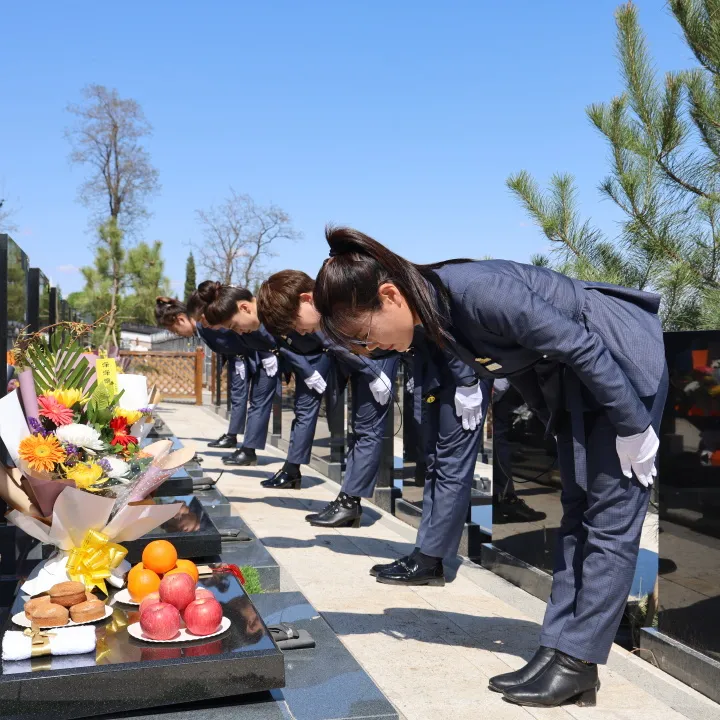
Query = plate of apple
x=179 y=612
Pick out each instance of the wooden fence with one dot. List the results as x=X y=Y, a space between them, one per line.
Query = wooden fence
x=177 y=375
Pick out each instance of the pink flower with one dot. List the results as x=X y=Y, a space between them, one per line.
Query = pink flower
x=54 y=411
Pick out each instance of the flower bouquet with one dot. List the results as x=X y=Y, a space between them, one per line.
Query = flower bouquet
x=72 y=437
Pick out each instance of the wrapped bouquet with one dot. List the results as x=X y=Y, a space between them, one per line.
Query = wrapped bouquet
x=71 y=438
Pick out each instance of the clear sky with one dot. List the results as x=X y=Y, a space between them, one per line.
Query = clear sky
x=400 y=117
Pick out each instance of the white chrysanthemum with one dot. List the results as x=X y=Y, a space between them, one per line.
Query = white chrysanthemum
x=83 y=436
x=118 y=468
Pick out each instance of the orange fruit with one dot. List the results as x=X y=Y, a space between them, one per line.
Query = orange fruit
x=159 y=556
x=142 y=583
x=186 y=566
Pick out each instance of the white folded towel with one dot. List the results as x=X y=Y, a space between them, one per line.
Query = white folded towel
x=64 y=641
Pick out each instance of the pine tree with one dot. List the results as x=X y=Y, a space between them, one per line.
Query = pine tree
x=664 y=140
x=190 y=278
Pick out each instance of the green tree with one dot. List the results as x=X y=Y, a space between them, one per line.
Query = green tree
x=664 y=140
x=190 y=277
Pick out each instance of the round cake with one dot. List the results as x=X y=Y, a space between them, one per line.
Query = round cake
x=87 y=611
x=35 y=603
x=68 y=593
x=50 y=615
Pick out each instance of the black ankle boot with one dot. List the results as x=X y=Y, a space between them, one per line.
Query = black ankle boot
x=344 y=511
x=539 y=661
x=565 y=678
x=283 y=480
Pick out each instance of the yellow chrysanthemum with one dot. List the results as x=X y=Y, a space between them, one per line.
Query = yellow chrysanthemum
x=41 y=453
x=69 y=398
x=132 y=416
x=84 y=475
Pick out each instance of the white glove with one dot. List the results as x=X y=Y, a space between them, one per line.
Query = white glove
x=381 y=389
x=315 y=382
x=240 y=368
x=271 y=365
x=468 y=406
x=410 y=385
x=637 y=453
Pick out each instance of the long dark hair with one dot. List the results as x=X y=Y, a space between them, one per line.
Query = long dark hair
x=349 y=279
x=220 y=300
x=167 y=310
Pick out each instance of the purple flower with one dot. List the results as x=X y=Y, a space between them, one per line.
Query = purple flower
x=146 y=411
x=105 y=465
x=71 y=449
x=36 y=427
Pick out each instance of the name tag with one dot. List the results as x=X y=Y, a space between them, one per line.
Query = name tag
x=494 y=367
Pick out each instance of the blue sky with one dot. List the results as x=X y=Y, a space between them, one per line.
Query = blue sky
x=402 y=118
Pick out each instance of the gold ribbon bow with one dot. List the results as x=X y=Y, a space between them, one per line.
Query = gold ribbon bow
x=93 y=561
x=39 y=640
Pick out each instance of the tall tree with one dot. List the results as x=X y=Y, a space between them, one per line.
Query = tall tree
x=145 y=271
x=190 y=277
x=239 y=237
x=6 y=213
x=664 y=139
x=108 y=138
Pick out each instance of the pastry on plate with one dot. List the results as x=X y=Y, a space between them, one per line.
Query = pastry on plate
x=87 y=611
x=68 y=593
x=50 y=615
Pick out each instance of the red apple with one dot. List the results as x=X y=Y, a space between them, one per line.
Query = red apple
x=148 y=600
x=203 y=617
x=177 y=589
x=160 y=621
x=204 y=593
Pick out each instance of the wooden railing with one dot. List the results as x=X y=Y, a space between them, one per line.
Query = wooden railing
x=177 y=375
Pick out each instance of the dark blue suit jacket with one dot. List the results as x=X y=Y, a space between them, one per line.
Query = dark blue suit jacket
x=536 y=327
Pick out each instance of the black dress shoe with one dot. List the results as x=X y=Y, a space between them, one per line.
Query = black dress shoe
x=240 y=457
x=515 y=510
x=376 y=569
x=410 y=571
x=283 y=480
x=539 y=661
x=564 y=679
x=224 y=441
x=344 y=511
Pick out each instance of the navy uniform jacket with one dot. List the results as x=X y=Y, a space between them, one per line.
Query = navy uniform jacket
x=600 y=344
x=227 y=342
x=266 y=344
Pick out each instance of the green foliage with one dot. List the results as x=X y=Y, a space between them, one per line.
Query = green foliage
x=252 y=580
x=190 y=277
x=664 y=140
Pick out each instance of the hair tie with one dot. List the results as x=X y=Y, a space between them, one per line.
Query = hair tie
x=333 y=252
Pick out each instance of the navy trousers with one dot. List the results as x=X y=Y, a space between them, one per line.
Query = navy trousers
x=307 y=409
x=238 y=394
x=262 y=392
x=598 y=540
x=369 y=420
x=451 y=454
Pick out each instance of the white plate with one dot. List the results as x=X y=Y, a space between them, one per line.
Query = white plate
x=123 y=596
x=22 y=621
x=184 y=636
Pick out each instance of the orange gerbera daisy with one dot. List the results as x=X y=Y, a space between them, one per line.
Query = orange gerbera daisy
x=41 y=453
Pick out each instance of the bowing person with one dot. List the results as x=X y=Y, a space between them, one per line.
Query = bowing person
x=284 y=304
x=589 y=359
x=173 y=315
x=303 y=355
x=261 y=373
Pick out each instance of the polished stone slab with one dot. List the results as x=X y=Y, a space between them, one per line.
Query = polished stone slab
x=321 y=683
x=214 y=502
x=181 y=483
x=191 y=531
x=253 y=554
x=126 y=674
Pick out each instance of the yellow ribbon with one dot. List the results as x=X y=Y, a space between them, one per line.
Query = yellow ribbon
x=39 y=640
x=92 y=562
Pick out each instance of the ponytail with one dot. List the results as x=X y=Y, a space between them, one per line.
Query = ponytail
x=349 y=279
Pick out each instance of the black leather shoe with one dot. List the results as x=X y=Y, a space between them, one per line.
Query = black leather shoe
x=515 y=510
x=408 y=571
x=240 y=457
x=344 y=511
x=375 y=570
x=539 y=661
x=564 y=679
x=282 y=480
x=224 y=441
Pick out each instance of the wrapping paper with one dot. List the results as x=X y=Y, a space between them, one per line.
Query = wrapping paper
x=135 y=391
x=60 y=641
x=29 y=396
x=75 y=513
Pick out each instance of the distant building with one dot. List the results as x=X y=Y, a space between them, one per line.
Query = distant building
x=140 y=338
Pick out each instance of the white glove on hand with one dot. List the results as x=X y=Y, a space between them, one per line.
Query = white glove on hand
x=381 y=389
x=468 y=406
x=410 y=385
x=271 y=365
x=240 y=368
x=315 y=382
x=637 y=453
